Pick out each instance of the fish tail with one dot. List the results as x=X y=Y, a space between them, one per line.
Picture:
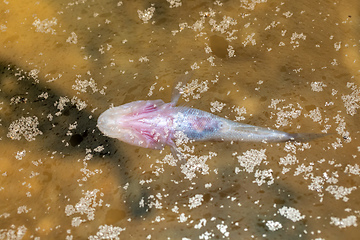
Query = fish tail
x=306 y=137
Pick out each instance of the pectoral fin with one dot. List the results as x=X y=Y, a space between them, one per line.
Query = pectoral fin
x=178 y=155
x=178 y=86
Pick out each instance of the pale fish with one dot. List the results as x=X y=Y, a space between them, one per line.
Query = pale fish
x=154 y=124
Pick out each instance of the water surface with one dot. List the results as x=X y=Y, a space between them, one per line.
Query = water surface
x=291 y=66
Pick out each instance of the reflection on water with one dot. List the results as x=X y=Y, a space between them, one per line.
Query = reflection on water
x=291 y=66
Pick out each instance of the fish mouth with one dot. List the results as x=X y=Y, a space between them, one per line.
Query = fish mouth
x=112 y=125
x=106 y=123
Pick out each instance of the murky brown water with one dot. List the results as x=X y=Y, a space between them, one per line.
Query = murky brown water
x=290 y=65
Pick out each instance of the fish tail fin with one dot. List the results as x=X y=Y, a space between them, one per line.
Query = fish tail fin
x=306 y=137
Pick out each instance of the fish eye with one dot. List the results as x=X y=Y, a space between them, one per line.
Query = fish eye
x=220 y=125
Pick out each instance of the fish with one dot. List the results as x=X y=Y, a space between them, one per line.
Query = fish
x=154 y=124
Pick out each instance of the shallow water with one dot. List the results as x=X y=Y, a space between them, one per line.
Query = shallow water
x=291 y=66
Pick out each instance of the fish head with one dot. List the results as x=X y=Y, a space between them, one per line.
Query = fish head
x=129 y=123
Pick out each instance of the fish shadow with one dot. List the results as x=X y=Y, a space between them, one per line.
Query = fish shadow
x=23 y=96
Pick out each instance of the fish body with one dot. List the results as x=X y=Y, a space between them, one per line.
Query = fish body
x=153 y=124
x=199 y=125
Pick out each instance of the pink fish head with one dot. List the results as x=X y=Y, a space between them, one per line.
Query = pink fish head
x=140 y=123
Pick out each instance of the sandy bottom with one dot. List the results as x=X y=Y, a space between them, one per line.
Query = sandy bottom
x=291 y=66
